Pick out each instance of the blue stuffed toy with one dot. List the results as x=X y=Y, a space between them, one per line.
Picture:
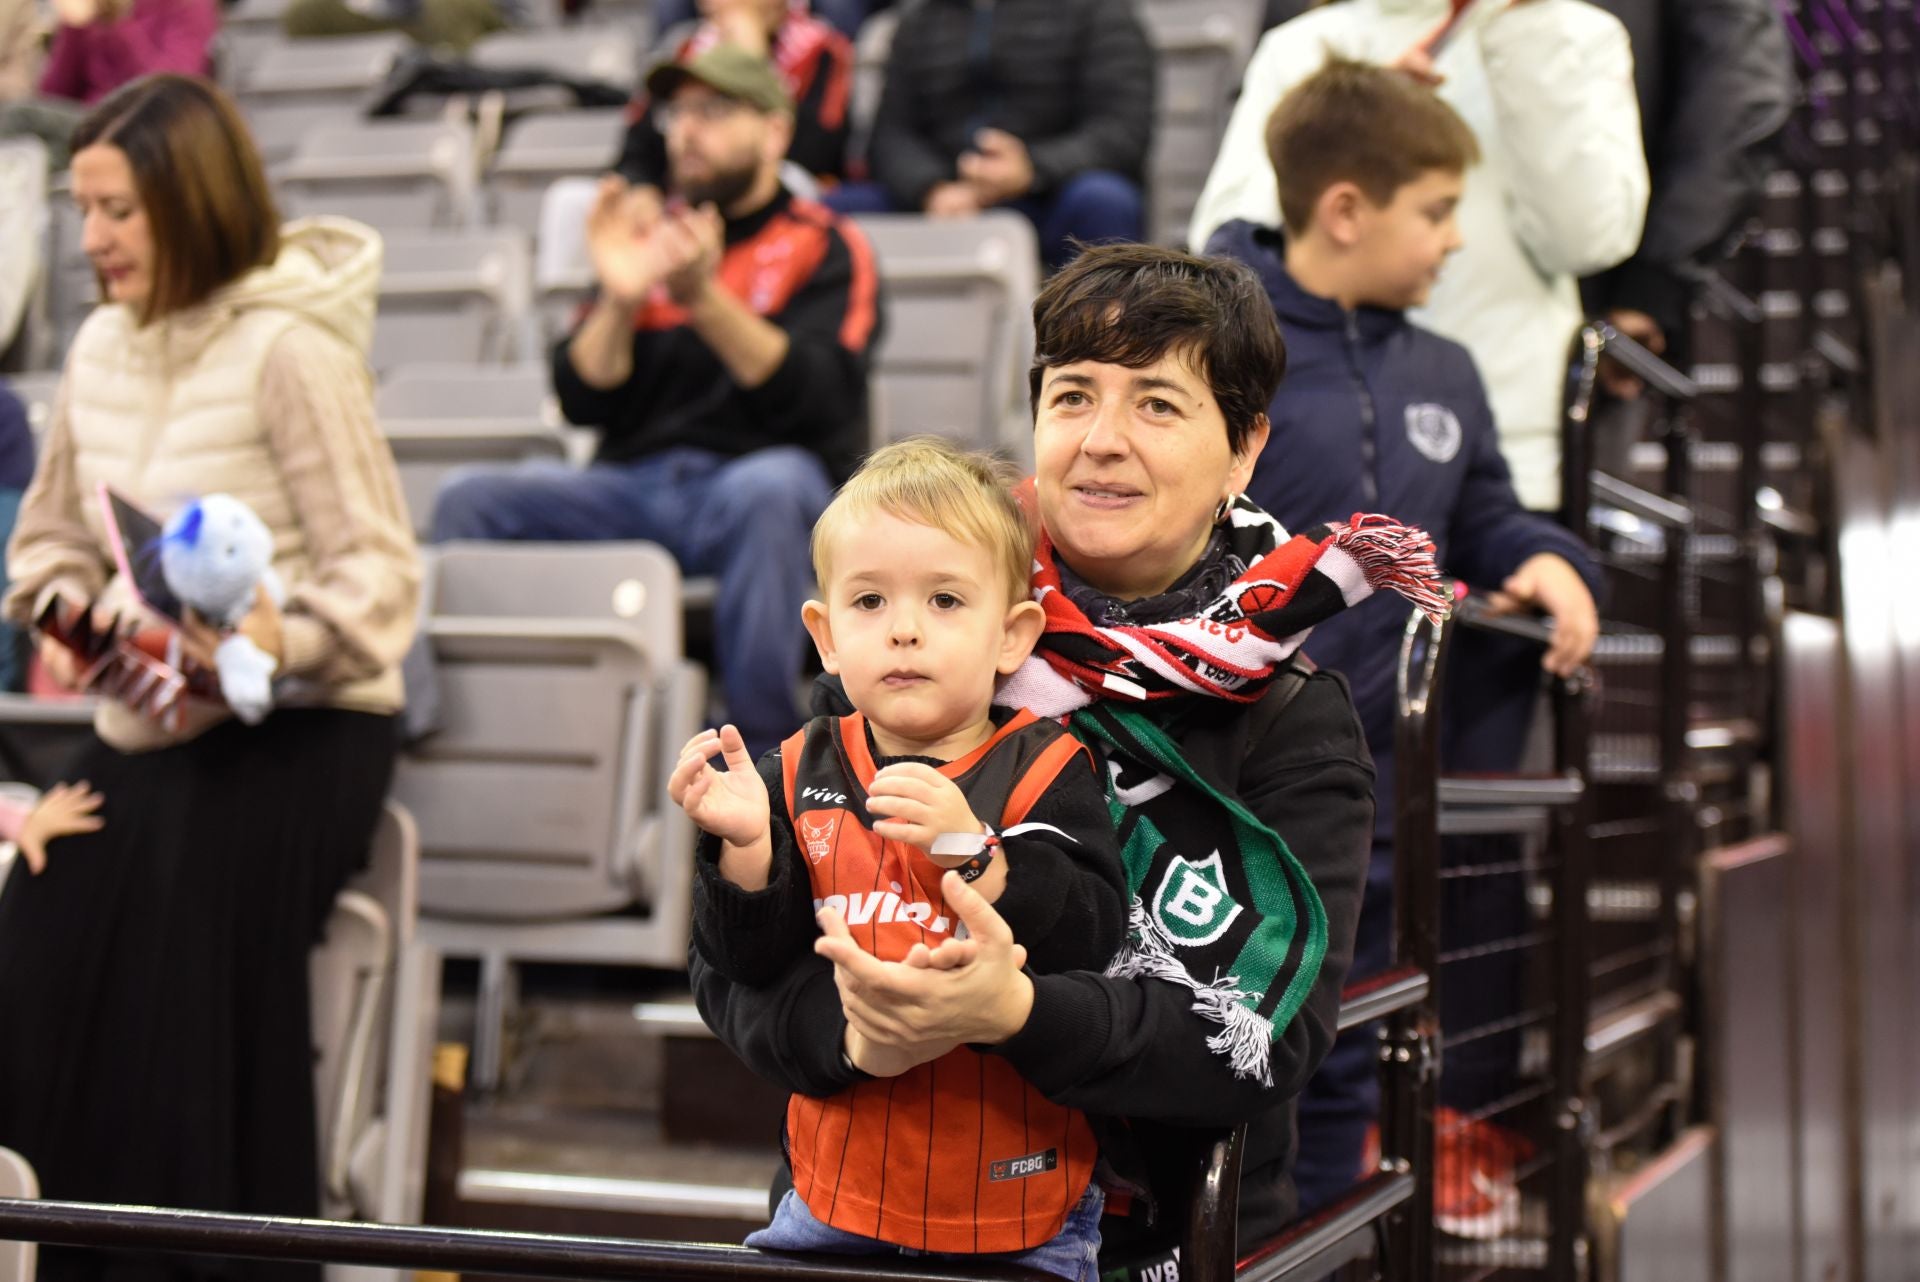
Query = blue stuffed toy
x=215 y=555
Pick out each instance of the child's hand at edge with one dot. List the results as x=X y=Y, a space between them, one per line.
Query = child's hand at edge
x=67 y=810
x=733 y=806
x=919 y=803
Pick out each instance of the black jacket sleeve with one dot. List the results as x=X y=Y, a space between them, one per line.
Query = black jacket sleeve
x=821 y=119
x=750 y=936
x=1136 y=1048
x=831 y=324
x=1117 y=86
x=643 y=152
x=1066 y=895
x=901 y=151
x=1490 y=534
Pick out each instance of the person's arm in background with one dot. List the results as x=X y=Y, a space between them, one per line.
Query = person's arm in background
x=1732 y=91
x=902 y=157
x=643 y=152
x=822 y=119
x=353 y=615
x=1241 y=183
x=1561 y=73
x=1117 y=89
x=819 y=383
x=19 y=48
x=1493 y=542
x=53 y=552
x=157 y=35
x=64 y=75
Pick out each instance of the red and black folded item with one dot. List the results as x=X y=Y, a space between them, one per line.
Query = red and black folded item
x=146 y=668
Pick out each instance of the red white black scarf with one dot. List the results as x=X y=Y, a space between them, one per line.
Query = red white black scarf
x=1231 y=648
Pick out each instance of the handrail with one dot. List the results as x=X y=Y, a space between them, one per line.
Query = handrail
x=270 y=1237
x=1383 y=994
x=1644 y=504
x=1309 y=1243
x=1644 y=365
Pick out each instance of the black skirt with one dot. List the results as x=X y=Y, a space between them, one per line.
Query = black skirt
x=154 y=1027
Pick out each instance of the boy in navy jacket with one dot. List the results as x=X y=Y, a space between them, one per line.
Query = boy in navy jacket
x=1379 y=415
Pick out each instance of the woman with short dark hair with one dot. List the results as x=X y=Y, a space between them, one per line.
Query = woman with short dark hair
x=153 y=977
x=1239 y=777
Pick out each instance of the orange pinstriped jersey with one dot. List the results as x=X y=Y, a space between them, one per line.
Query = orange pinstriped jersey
x=959 y=1155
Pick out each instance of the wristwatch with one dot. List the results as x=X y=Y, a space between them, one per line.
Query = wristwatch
x=967 y=853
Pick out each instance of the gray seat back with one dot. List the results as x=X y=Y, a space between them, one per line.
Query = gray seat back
x=542 y=796
x=959 y=331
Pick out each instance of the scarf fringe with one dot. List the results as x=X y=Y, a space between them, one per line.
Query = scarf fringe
x=1396 y=557
x=1245 y=1039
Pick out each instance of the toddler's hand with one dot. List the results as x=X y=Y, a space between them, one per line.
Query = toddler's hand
x=733 y=806
x=919 y=803
x=67 y=809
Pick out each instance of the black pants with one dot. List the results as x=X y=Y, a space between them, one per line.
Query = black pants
x=154 y=1011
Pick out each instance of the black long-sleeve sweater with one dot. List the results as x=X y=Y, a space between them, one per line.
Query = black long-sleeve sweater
x=802 y=268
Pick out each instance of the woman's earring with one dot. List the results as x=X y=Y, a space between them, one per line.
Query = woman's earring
x=1220 y=513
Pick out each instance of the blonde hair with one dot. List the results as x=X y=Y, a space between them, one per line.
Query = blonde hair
x=931 y=481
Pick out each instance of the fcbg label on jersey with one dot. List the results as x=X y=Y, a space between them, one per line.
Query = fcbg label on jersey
x=1019 y=1168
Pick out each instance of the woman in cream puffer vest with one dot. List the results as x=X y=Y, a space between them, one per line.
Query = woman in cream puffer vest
x=153 y=978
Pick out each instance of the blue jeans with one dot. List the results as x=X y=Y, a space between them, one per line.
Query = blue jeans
x=1094 y=207
x=746 y=520
x=1073 y=1252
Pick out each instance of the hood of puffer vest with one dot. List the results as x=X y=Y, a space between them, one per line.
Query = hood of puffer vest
x=327 y=271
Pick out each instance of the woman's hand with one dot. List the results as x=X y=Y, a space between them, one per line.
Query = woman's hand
x=262 y=626
x=918 y=804
x=878 y=1060
x=65 y=810
x=59 y=663
x=76 y=13
x=983 y=1001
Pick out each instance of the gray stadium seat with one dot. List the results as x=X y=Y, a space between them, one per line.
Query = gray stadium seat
x=393 y=175
x=279 y=127
x=545 y=147
x=17 y=1180
x=562 y=274
x=326 y=69
x=959 y=327
x=607 y=53
x=376 y=993
x=565 y=696
x=1203 y=48
x=248 y=29
x=440 y=417
x=459 y=297
x=72 y=286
